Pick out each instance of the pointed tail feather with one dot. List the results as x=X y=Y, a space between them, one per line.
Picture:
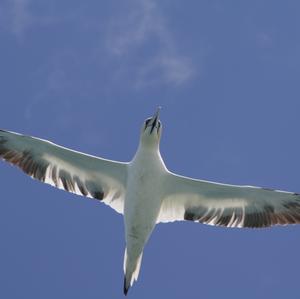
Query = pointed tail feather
x=126 y=286
x=131 y=271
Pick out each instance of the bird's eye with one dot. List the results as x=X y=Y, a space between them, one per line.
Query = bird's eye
x=147 y=121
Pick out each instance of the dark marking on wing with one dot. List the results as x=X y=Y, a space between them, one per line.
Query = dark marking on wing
x=66 y=180
x=80 y=186
x=98 y=195
x=24 y=160
x=189 y=216
x=224 y=220
x=254 y=218
x=37 y=167
x=94 y=190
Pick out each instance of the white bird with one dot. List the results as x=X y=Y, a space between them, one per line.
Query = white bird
x=145 y=191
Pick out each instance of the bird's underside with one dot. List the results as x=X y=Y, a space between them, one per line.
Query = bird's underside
x=182 y=198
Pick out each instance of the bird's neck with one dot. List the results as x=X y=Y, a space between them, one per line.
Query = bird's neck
x=148 y=161
x=150 y=148
x=146 y=151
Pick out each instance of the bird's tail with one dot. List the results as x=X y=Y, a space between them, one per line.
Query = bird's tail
x=131 y=270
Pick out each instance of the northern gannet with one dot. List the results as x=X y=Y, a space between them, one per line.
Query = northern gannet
x=145 y=191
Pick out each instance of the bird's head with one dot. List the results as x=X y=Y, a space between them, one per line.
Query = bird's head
x=151 y=130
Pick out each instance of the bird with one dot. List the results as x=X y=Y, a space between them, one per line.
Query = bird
x=145 y=191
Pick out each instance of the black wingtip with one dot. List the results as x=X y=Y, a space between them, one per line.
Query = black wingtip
x=126 y=288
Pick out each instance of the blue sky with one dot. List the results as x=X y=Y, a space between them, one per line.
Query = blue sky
x=85 y=75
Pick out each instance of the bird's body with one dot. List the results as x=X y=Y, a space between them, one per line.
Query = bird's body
x=145 y=192
x=142 y=203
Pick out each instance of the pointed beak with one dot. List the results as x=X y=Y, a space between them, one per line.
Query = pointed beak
x=154 y=119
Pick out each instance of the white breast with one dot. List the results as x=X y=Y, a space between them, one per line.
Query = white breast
x=143 y=196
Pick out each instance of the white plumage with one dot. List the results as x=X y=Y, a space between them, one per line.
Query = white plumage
x=145 y=191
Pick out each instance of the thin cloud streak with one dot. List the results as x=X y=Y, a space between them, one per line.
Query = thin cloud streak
x=174 y=70
x=144 y=25
x=21 y=17
x=17 y=17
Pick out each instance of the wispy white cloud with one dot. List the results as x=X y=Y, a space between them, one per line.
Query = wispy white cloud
x=138 y=39
x=144 y=28
x=169 y=69
x=15 y=16
x=20 y=16
x=133 y=28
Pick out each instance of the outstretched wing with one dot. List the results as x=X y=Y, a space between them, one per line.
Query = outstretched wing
x=227 y=205
x=66 y=169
